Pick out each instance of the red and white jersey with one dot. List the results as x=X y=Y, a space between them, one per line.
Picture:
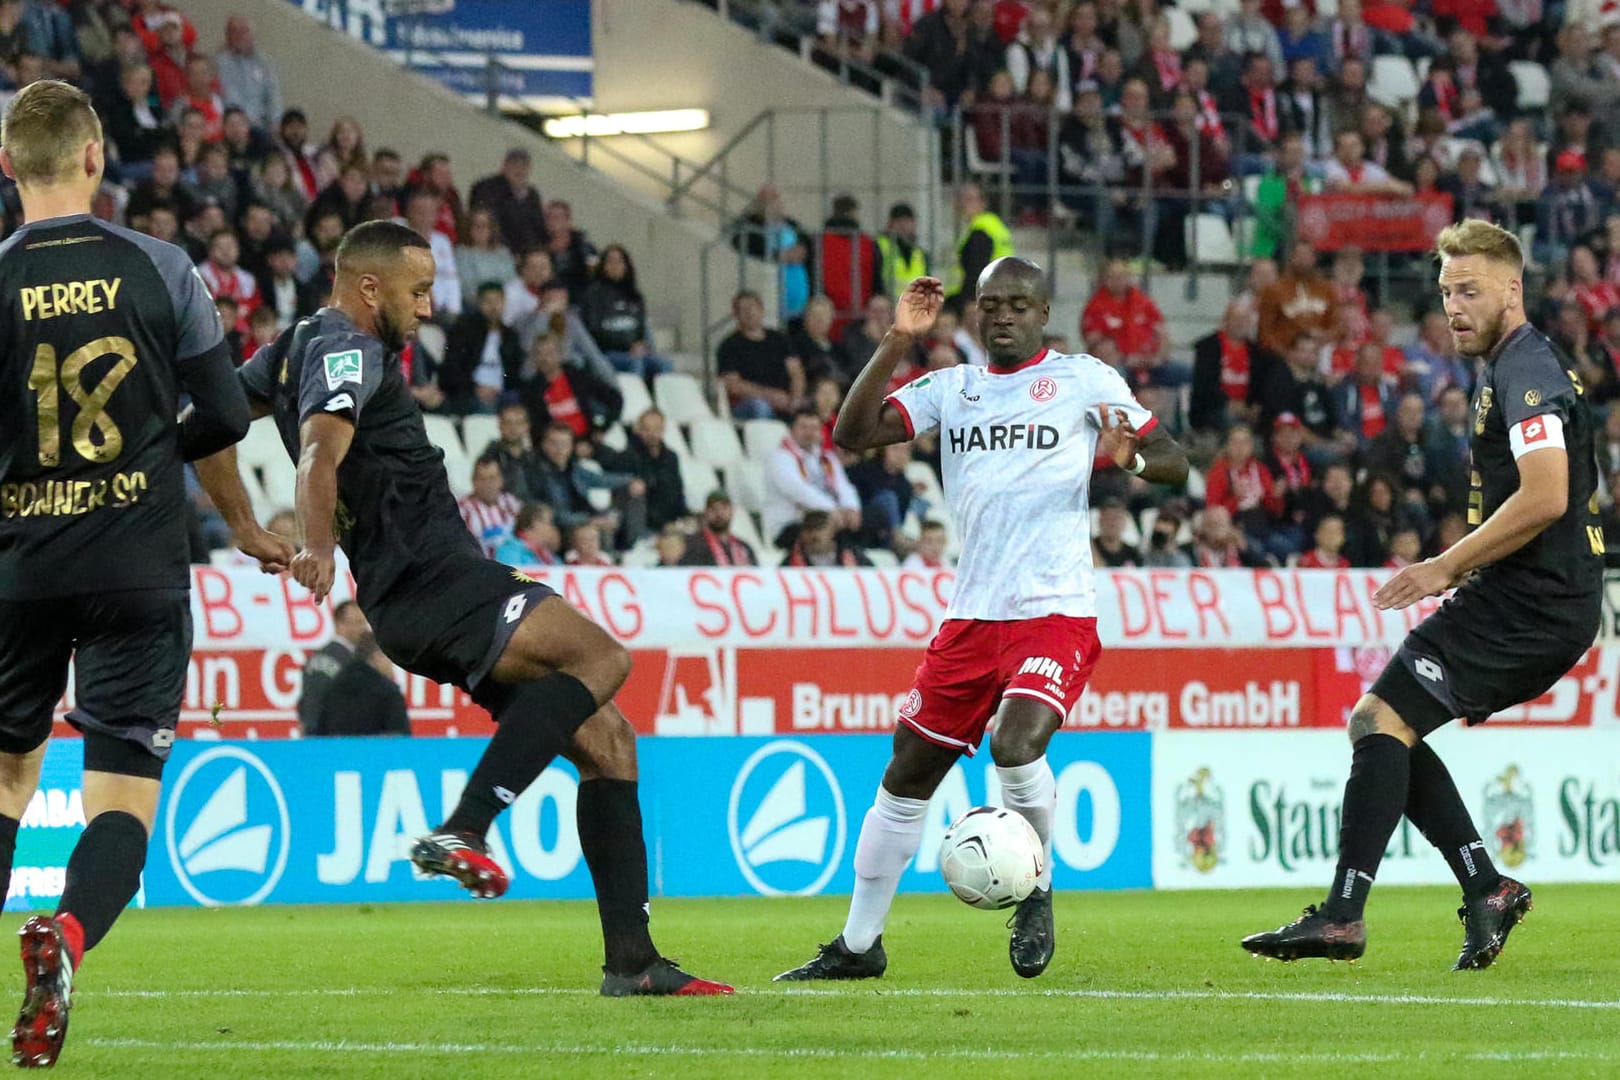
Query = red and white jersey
x=1016 y=452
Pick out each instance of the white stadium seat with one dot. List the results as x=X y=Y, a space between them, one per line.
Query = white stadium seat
x=477 y=432
x=441 y=432
x=636 y=398
x=745 y=483
x=697 y=481
x=615 y=437
x=1182 y=31
x=680 y=396
x=715 y=443
x=882 y=558
x=1209 y=240
x=1535 y=87
x=743 y=526
x=1394 y=81
x=760 y=437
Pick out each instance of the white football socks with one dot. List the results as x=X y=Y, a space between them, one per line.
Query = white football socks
x=1032 y=791
x=889 y=837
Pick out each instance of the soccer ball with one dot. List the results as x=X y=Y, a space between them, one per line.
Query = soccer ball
x=991 y=858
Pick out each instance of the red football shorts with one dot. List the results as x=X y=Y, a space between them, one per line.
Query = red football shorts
x=971 y=665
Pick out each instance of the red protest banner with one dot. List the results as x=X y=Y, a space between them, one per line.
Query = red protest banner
x=1374 y=222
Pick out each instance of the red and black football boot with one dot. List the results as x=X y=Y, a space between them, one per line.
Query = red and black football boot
x=1487 y=922
x=36 y=1040
x=661 y=978
x=1313 y=934
x=464 y=857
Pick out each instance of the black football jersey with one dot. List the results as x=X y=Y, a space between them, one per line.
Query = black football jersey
x=395 y=511
x=97 y=327
x=1558 y=575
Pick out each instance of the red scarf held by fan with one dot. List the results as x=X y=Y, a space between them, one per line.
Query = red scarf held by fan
x=726 y=552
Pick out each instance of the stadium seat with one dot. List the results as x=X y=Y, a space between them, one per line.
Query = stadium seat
x=745 y=527
x=680 y=396
x=745 y=483
x=1209 y=240
x=675 y=439
x=280 y=489
x=642 y=556
x=1535 y=87
x=261 y=447
x=882 y=558
x=1394 y=81
x=1251 y=189
x=636 y=398
x=615 y=437
x=441 y=432
x=921 y=474
x=697 y=481
x=976 y=164
x=715 y=443
x=1132 y=535
x=431 y=338
x=1182 y=31
x=477 y=432
x=1327 y=9
x=760 y=437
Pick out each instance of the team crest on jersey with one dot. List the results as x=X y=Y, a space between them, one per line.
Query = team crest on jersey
x=1043 y=389
x=342 y=367
x=912 y=705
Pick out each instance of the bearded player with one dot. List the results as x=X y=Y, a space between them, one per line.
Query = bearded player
x=1528 y=608
x=368 y=478
x=1018 y=441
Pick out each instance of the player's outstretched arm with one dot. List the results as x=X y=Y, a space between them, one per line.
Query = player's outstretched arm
x=222 y=480
x=866 y=420
x=324 y=439
x=1542 y=499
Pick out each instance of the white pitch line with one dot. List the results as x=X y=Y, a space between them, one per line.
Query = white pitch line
x=1306 y=996
x=816 y=1052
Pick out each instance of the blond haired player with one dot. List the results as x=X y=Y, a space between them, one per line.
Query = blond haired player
x=1530 y=580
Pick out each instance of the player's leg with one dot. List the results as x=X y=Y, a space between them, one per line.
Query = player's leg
x=611 y=838
x=1374 y=800
x=36 y=646
x=554 y=669
x=890 y=833
x=131 y=669
x=1045 y=665
x=1024 y=726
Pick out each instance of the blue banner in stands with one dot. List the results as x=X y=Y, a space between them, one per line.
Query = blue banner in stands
x=541 y=48
x=330 y=820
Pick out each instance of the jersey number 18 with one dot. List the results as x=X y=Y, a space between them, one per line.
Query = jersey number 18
x=94 y=434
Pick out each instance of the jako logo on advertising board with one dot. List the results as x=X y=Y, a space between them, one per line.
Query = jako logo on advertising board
x=227 y=828
x=786 y=820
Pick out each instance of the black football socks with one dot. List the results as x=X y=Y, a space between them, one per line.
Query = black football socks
x=1433 y=805
x=8 y=852
x=610 y=837
x=536 y=724
x=103 y=874
x=1374 y=799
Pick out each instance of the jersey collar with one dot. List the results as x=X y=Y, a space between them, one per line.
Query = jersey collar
x=1031 y=362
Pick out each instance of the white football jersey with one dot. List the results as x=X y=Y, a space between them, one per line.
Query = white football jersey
x=1016 y=449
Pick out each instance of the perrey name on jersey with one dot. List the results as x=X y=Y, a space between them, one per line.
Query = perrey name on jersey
x=90 y=297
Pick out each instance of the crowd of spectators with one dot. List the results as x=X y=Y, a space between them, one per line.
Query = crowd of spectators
x=1332 y=422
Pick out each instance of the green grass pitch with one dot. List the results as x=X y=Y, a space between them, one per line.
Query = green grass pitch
x=1144 y=984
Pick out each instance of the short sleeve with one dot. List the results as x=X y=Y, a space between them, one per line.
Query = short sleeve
x=919 y=403
x=1110 y=391
x=258 y=375
x=1531 y=382
x=340 y=376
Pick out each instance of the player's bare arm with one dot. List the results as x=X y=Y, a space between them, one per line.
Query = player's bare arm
x=866 y=420
x=1163 y=459
x=1542 y=499
x=325 y=441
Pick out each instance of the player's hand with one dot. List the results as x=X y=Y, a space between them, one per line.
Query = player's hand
x=1119 y=436
x=275 y=553
x=314 y=570
x=1431 y=577
x=919 y=306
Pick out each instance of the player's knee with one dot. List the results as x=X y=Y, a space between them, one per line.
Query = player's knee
x=1372 y=716
x=603 y=669
x=1014 y=747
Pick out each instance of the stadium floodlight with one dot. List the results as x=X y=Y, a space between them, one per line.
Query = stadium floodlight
x=658 y=122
